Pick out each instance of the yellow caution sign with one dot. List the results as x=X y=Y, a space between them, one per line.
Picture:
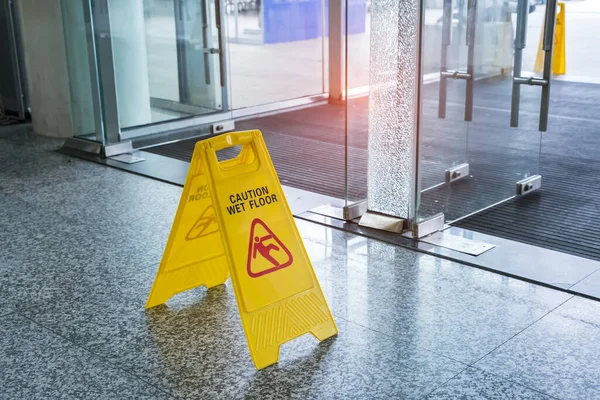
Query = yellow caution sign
x=278 y=295
x=559 y=56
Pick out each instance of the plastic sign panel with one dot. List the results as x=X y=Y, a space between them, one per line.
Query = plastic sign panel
x=277 y=292
x=194 y=255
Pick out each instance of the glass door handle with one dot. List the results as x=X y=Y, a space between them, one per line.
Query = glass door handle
x=446 y=41
x=205 y=33
x=471 y=21
x=211 y=50
x=520 y=41
x=547 y=47
x=455 y=75
x=218 y=20
x=467 y=75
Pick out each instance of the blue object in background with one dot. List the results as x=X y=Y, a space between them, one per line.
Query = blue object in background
x=292 y=20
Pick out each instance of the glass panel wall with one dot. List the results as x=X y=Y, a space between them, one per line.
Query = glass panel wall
x=167 y=59
x=277 y=50
x=443 y=126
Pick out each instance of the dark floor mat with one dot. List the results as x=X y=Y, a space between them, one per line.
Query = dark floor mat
x=563 y=215
x=307 y=148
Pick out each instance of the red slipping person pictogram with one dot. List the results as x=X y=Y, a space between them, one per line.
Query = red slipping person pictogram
x=266 y=253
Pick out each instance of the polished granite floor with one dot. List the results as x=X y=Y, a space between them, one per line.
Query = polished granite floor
x=80 y=244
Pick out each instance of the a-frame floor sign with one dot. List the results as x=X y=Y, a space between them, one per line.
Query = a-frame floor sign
x=233 y=218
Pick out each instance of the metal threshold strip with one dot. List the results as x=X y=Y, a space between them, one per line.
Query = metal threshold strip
x=490 y=255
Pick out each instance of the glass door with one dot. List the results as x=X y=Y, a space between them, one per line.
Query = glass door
x=156 y=61
x=443 y=128
x=181 y=52
x=490 y=109
x=185 y=56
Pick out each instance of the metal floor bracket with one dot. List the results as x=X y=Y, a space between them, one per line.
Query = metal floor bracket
x=355 y=210
x=457 y=172
x=222 y=127
x=118 y=148
x=529 y=185
x=87 y=146
x=428 y=226
x=347 y=213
